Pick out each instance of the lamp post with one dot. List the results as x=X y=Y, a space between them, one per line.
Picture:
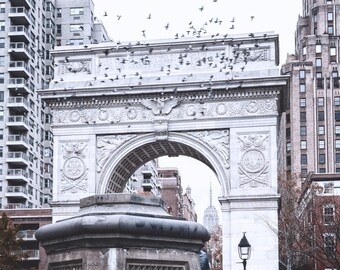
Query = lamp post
x=244 y=250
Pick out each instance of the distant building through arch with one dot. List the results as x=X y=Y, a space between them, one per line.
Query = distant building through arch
x=210 y=218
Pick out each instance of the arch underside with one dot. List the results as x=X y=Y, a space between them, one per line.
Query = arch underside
x=139 y=156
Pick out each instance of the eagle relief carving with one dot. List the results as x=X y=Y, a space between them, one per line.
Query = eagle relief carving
x=161 y=106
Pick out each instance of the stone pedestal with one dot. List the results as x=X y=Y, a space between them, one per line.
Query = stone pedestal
x=122 y=231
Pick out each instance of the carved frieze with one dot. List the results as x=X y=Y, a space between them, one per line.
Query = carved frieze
x=106 y=145
x=218 y=140
x=170 y=108
x=253 y=167
x=74 y=172
x=172 y=61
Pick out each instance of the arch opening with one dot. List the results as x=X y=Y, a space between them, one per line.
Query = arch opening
x=144 y=153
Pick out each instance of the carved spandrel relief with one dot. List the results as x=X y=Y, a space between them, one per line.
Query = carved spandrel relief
x=74 y=173
x=218 y=140
x=253 y=167
x=171 y=109
x=106 y=145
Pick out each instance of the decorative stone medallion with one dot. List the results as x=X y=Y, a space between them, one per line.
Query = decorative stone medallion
x=74 y=171
x=253 y=168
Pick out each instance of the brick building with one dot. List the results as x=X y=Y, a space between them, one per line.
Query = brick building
x=319 y=209
x=29 y=221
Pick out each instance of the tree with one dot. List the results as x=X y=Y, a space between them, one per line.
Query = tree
x=309 y=226
x=215 y=248
x=320 y=235
x=10 y=246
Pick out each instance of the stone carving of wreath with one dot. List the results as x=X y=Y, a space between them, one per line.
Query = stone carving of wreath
x=74 y=116
x=74 y=168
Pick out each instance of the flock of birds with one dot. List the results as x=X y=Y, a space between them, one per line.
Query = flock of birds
x=219 y=62
x=192 y=29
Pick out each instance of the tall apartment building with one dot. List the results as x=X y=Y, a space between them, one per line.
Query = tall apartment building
x=29 y=29
x=144 y=180
x=311 y=140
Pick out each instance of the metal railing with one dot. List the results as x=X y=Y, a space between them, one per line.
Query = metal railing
x=16 y=172
x=16 y=189
x=17 y=138
x=12 y=100
x=17 y=155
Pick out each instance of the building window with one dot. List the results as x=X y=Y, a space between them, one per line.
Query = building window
x=2 y=77
x=76 y=27
x=332 y=51
x=2 y=61
x=336 y=101
x=303 y=173
x=320 y=102
x=303 y=145
x=321 y=158
x=302 y=102
x=337 y=158
x=303 y=159
x=59 y=12
x=321 y=116
x=2 y=42
x=76 y=41
x=302 y=74
x=58 y=29
x=303 y=117
x=302 y=88
x=77 y=11
x=328 y=214
x=337 y=130
x=321 y=130
x=329 y=240
x=2 y=26
x=328 y=188
x=329 y=16
x=287 y=133
x=318 y=48
x=303 y=131
x=337 y=115
x=2 y=7
x=318 y=62
x=321 y=144
x=288 y=146
x=337 y=144
x=330 y=29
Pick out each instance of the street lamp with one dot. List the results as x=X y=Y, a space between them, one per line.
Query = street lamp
x=244 y=250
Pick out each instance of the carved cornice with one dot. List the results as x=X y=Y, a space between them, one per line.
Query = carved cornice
x=135 y=98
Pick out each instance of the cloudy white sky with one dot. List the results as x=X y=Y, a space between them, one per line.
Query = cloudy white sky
x=132 y=20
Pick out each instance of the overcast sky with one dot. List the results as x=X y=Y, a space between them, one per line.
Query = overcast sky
x=139 y=20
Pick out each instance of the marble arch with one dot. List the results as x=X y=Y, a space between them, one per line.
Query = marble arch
x=218 y=100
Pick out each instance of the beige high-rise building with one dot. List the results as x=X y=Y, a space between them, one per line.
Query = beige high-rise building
x=29 y=29
x=311 y=133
